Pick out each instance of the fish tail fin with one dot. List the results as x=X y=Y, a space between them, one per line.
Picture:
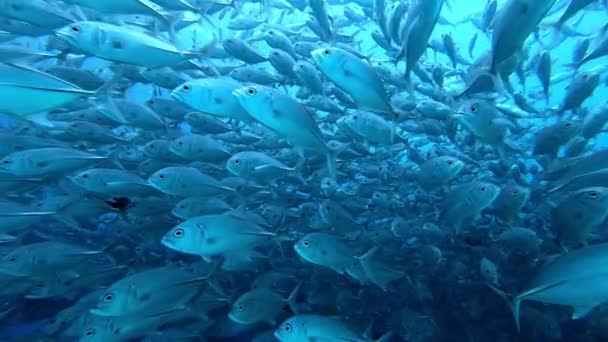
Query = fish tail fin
x=386 y=337
x=292 y=299
x=514 y=304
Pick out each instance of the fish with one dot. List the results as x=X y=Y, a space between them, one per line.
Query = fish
x=514 y=22
x=354 y=76
x=293 y=170
x=574 y=279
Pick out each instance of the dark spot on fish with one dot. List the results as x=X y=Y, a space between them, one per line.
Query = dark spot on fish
x=145 y=297
x=210 y=241
x=120 y=203
x=524 y=9
x=116 y=44
x=16 y=7
x=217 y=100
x=578 y=216
x=42 y=164
x=324 y=252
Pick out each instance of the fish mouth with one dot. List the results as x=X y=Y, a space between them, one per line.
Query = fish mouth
x=63 y=35
x=176 y=96
x=234 y=319
x=240 y=92
x=100 y=313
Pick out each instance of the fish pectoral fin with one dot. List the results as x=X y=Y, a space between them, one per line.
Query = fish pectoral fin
x=581 y=311
x=327 y=339
x=539 y=289
x=269 y=166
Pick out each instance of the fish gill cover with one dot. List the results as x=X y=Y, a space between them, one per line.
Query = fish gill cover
x=303 y=170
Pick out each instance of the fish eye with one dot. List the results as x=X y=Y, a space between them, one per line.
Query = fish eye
x=287 y=327
x=90 y=332
x=473 y=109
x=568 y=124
x=326 y=51
x=85 y=176
x=251 y=91
x=515 y=192
x=75 y=28
x=180 y=143
x=117 y=331
x=483 y=188
x=178 y=233
x=237 y=161
x=271 y=32
x=12 y=259
x=6 y=161
x=108 y=298
x=161 y=176
x=593 y=194
x=450 y=162
x=306 y=243
x=186 y=87
x=241 y=307
x=355 y=117
x=182 y=206
x=39 y=285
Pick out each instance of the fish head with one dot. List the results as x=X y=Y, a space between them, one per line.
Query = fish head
x=87 y=179
x=594 y=197
x=152 y=148
x=451 y=166
x=255 y=100
x=237 y=164
x=567 y=128
x=305 y=247
x=164 y=179
x=244 y=310
x=592 y=79
x=188 y=92
x=115 y=302
x=516 y=193
x=183 y=208
x=186 y=237
x=290 y=331
x=79 y=34
x=179 y=146
x=483 y=194
x=326 y=58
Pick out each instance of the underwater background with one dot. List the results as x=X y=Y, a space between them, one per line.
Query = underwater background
x=303 y=170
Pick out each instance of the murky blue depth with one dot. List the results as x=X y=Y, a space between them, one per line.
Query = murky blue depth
x=303 y=170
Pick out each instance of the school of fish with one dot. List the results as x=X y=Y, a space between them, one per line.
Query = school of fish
x=303 y=170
